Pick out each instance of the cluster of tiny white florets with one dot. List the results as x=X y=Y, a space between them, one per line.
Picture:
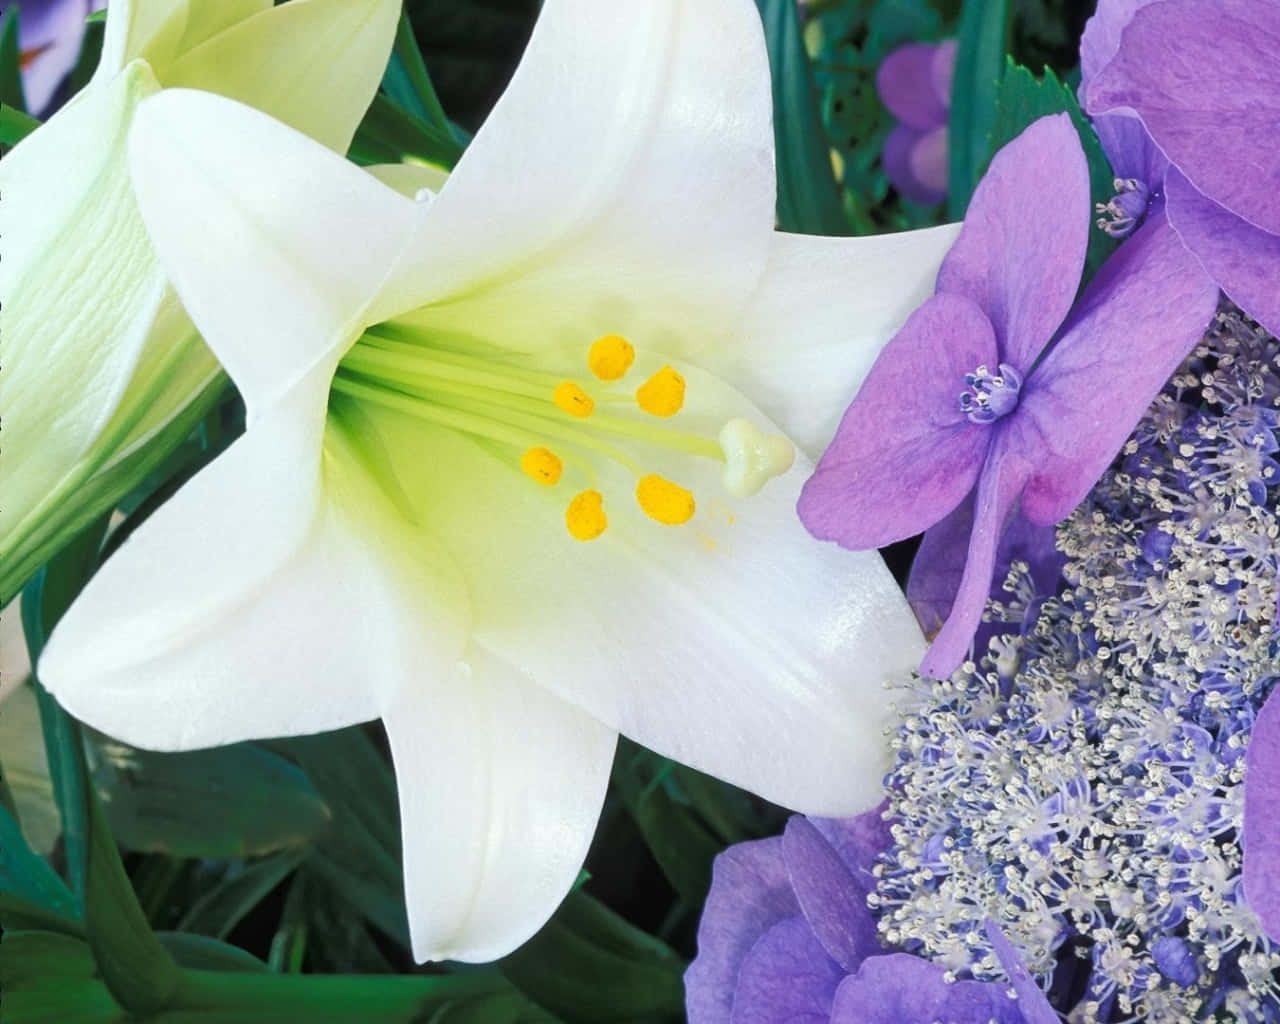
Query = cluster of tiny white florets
x=1082 y=783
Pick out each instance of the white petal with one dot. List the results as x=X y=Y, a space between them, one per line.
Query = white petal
x=274 y=243
x=623 y=183
x=275 y=594
x=146 y=29
x=314 y=65
x=735 y=643
x=206 y=18
x=80 y=289
x=501 y=785
x=824 y=310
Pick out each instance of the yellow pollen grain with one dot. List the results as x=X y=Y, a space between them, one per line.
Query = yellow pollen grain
x=573 y=400
x=610 y=357
x=668 y=503
x=662 y=394
x=585 y=518
x=542 y=465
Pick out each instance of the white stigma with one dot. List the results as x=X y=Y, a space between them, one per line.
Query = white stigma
x=752 y=458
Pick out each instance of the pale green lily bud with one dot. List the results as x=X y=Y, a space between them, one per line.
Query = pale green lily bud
x=104 y=373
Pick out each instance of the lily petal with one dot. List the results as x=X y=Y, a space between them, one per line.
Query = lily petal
x=107 y=286
x=750 y=892
x=1140 y=315
x=824 y=310
x=272 y=289
x=1002 y=480
x=140 y=29
x=1204 y=94
x=659 y=631
x=1261 y=807
x=1011 y=214
x=1244 y=260
x=905 y=455
x=269 y=555
x=607 y=227
x=501 y=785
x=315 y=65
x=206 y=18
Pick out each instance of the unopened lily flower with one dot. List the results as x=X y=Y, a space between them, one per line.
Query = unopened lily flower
x=968 y=411
x=99 y=356
x=502 y=484
x=1181 y=95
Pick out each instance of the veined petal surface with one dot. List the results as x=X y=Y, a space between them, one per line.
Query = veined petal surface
x=501 y=784
x=74 y=244
x=647 y=212
x=824 y=310
x=275 y=286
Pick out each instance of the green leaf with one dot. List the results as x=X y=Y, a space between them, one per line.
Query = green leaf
x=137 y=971
x=980 y=60
x=808 y=199
x=222 y=907
x=47 y=977
x=26 y=875
x=233 y=801
x=1022 y=99
x=26 y=767
x=11 y=93
x=680 y=843
x=588 y=964
x=17 y=914
x=389 y=134
x=15 y=125
x=406 y=80
x=203 y=953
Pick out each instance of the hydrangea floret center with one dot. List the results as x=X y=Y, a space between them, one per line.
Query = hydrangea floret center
x=557 y=429
x=990 y=396
x=1124 y=211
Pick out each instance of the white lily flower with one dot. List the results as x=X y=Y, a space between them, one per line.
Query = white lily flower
x=421 y=523
x=99 y=355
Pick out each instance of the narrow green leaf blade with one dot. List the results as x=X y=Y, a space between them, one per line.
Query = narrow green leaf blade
x=406 y=80
x=222 y=907
x=980 y=61
x=25 y=874
x=11 y=92
x=808 y=198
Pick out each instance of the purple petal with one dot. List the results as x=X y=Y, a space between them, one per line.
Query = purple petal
x=899 y=150
x=787 y=976
x=1022 y=247
x=859 y=841
x=939 y=566
x=904 y=989
x=1101 y=38
x=1002 y=480
x=944 y=70
x=1130 y=150
x=54 y=30
x=831 y=899
x=904 y=454
x=750 y=892
x=1261 y=839
x=929 y=160
x=906 y=84
x=1141 y=314
x=1244 y=260
x=1031 y=999
x=1202 y=78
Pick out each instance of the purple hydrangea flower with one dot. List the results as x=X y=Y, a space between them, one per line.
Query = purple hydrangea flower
x=50 y=33
x=970 y=402
x=1262 y=818
x=914 y=82
x=786 y=935
x=1184 y=100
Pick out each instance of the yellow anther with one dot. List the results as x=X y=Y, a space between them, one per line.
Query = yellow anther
x=585 y=516
x=668 y=503
x=610 y=357
x=662 y=394
x=542 y=465
x=573 y=400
